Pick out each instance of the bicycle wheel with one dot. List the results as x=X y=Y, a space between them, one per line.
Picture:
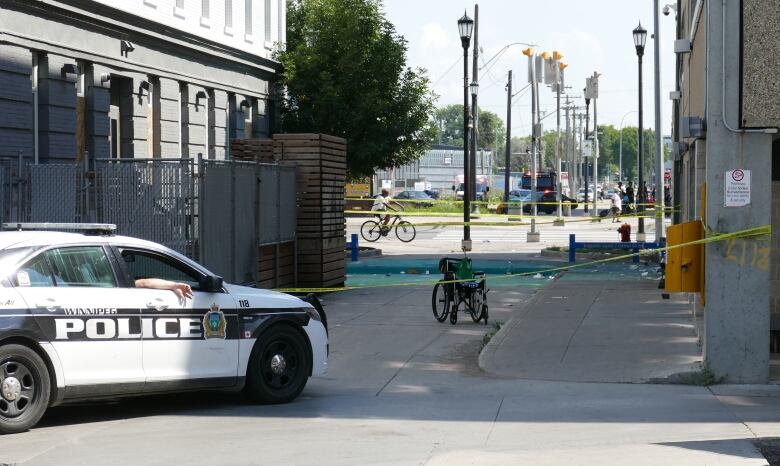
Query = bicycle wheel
x=370 y=231
x=405 y=231
x=440 y=301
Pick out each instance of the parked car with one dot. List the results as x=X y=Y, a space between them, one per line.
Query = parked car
x=433 y=194
x=581 y=195
x=515 y=196
x=480 y=194
x=419 y=198
x=548 y=202
x=75 y=326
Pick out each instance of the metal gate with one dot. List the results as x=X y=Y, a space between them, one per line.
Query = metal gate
x=217 y=212
x=243 y=206
x=149 y=199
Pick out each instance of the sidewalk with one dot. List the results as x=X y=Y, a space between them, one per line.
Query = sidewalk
x=591 y=326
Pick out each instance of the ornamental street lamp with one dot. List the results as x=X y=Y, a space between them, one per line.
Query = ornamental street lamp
x=465 y=28
x=640 y=37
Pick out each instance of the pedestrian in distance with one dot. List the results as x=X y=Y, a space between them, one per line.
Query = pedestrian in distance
x=616 y=206
x=630 y=192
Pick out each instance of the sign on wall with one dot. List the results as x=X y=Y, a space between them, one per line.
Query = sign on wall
x=736 y=190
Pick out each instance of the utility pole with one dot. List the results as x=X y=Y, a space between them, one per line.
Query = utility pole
x=659 y=149
x=534 y=63
x=595 y=95
x=508 y=149
x=595 y=154
x=581 y=159
x=472 y=177
x=568 y=156
x=585 y=157
x=558 y=85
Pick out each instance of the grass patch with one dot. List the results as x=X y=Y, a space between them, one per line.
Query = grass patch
x=701 y=378
x=488 y=336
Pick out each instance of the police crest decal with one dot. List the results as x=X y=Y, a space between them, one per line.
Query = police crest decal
x=214 y=323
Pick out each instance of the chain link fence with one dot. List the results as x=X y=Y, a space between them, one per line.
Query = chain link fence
x=216 y=212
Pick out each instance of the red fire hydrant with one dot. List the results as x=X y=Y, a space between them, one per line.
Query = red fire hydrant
x=625 y=233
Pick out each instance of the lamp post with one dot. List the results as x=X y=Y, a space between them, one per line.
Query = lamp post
x=640 y=37
x=473 y=90
x=465 y=27
x=620 y=169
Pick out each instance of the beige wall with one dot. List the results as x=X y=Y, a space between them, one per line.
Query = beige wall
x=693 y=66
x=761 y=63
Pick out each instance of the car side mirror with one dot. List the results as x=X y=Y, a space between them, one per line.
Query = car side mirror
x=211 y=284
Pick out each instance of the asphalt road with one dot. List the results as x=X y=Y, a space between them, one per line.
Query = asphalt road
x=402 y=389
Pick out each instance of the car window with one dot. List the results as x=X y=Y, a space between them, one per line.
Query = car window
x=141 y=264
x=35 y=272
x=81 y=266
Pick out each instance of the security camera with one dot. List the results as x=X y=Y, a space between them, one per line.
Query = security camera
x=667 y=10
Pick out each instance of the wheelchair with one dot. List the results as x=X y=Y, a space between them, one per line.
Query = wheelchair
x=461 y=287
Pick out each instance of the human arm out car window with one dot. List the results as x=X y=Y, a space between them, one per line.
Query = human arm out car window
x=182 y=290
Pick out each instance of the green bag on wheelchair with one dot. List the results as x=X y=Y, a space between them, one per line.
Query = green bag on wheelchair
x=465 y=271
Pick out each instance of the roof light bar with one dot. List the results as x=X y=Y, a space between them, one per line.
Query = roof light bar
x=98 y=228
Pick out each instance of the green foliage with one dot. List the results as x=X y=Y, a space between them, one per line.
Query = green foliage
x=345 y=74
x=609 y=152
x=448 y=128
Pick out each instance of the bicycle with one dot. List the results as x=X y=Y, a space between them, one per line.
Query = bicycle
x=372 y=230
x=461 y=286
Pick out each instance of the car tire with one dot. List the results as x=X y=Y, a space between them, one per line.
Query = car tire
x=25 y=388
x=279 y=366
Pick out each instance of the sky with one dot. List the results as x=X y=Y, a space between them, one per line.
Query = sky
x=593 y=35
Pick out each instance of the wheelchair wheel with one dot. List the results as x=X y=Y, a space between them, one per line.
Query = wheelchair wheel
x=476 y=304
x=485 y=312
x=440 y=301
x=370 y=231
x=454 y=316
x=405 y=231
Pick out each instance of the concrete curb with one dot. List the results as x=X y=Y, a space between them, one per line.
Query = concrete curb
x=485 y=359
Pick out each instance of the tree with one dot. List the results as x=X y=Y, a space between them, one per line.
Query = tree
x=344 y=73
x=448 y=122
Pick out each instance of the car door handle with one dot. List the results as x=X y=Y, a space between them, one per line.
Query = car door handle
x=159 y=305
x=49 y=303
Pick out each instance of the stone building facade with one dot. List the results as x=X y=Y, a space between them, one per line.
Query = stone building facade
x=136 y=78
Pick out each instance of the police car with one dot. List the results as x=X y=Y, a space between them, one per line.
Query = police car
x=73 y=326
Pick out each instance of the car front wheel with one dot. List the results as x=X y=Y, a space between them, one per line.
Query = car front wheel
x=24 y=388
x=279 y=366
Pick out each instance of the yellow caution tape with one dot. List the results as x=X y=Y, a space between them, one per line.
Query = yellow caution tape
x=711 y=237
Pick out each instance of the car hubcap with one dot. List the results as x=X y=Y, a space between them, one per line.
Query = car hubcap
x=278 y=364
x=11 y=389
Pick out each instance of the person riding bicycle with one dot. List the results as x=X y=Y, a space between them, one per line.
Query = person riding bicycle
x=382 y=204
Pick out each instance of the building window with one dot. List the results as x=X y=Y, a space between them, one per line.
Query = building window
x=267 y=20
x=178 y=9
x=205 y=18
x=248 y=20
x=229 y=17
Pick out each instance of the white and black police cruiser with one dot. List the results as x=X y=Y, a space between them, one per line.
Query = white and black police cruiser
x=73 y=326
